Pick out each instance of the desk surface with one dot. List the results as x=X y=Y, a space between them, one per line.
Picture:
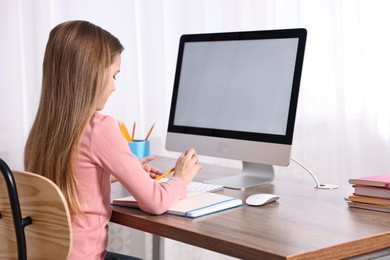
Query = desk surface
x=305 y=223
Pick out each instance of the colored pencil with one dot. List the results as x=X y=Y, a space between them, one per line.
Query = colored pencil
x=150 y=131
x=165 y=174
x=124 y=131
x=133 y=132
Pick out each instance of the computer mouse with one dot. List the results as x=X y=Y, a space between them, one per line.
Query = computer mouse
x=261 y=199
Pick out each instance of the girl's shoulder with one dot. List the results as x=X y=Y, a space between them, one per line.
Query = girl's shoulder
x=101 y=124
x=100 y=118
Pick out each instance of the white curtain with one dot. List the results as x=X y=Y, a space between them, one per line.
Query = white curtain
x=343 y=119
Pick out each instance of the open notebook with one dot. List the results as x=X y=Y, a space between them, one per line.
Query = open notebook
x=193 y=206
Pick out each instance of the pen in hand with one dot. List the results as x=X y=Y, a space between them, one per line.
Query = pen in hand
x=165 y=174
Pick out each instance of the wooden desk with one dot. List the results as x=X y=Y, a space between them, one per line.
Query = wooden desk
x=305 y=223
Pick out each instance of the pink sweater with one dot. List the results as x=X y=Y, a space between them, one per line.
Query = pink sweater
x=103 y=151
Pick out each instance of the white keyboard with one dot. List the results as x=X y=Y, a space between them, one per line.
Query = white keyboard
x=198 y=187
x=203 y=187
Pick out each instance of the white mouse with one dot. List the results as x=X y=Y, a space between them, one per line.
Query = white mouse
x=260 y=199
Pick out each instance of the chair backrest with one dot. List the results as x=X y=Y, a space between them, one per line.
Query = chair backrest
x=46 y=219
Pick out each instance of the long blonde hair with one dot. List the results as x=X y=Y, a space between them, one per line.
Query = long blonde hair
x=76 y=59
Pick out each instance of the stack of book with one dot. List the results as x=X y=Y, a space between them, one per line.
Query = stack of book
x=372 y=192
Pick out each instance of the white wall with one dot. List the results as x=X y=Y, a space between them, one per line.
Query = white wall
x=343 y=121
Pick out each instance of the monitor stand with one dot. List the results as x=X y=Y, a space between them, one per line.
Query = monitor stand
x=252 y=174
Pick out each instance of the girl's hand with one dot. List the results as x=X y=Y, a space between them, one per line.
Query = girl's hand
x=150 y=169
x=147 y=159
x=187 y=166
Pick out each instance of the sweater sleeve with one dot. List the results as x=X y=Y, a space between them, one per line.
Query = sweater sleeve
x=110 y=151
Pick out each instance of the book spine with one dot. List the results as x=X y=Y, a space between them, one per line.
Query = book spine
x=369 y=183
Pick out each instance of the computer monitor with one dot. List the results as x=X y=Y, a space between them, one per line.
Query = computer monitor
x=235 y=96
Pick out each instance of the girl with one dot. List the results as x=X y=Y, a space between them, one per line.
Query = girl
x=82 y=150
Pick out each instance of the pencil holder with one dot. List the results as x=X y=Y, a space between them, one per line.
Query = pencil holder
x=140 y=148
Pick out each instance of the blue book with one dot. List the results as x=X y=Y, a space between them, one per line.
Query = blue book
x=193 y=206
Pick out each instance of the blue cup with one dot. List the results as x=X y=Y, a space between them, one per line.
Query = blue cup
x=140 y=148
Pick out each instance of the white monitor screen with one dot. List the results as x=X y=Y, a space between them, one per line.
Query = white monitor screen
x=237 y=85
